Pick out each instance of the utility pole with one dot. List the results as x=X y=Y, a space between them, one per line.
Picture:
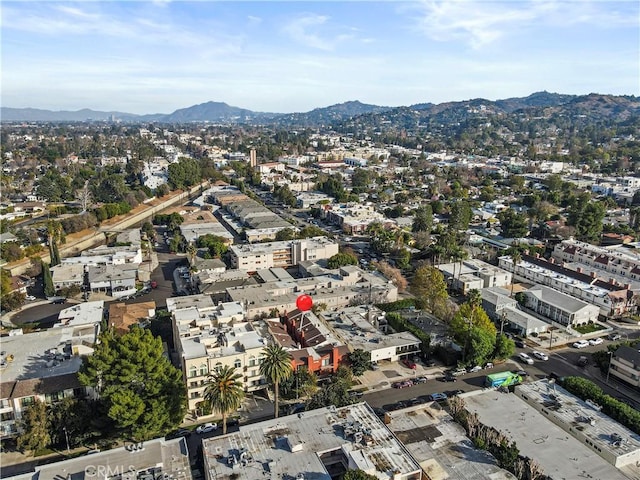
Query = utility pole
x=609 y=368
x=66 y=436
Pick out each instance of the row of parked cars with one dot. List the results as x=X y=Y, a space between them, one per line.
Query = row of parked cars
x=409 y=383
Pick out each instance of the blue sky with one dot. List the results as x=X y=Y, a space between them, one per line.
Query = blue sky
x=156 y=57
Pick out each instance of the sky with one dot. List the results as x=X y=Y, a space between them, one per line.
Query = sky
x=293 y=56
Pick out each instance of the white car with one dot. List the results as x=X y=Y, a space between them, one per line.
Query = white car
x=525 y=358
x=30 y=298
x=581 y=344
x=206 y=428
x=540 y=355
x=595 y=341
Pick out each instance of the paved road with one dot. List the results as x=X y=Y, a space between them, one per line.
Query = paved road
x=46 y=314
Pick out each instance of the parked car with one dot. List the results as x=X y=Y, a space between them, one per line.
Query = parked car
x=583 y=361
x=438 y=397
x=181 y=432
x=522 y=373
x=458 y=371
x=595 y=341
x=540 y=355
x=453 y=393
x=206 y=428
x=419 y=380
x=581 y=344
x=409 y=363
x=488 y=365
x=402 y=384
x=519 y=342
x=31 y=298
x=525 y=358
x=614 y=336
x=448 y=377
x=475 y=369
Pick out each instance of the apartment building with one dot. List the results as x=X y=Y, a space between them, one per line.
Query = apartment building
x=560 y=307
x=281 y=254
x=474 y=274
x=40 y=366
x=625 y=365
x=613 y=300
x=115 y=280
x=619 y=262
x=354 y=218
x=208 y=336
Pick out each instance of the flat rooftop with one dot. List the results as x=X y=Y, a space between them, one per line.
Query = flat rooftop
x=441 y=446
x=39 y=355
x=307 y=445
x=559 y=454
x=165 y=459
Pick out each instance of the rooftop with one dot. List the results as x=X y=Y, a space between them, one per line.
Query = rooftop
x=40 y=354
x=560 y=454
x=159 y=458
x=308 y=445
x=82 y=314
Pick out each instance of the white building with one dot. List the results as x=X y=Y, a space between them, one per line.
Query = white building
x=281 y=254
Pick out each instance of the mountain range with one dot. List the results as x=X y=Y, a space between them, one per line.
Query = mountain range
x=219 y=112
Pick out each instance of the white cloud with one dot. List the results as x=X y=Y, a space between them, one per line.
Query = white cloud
x=301 y=28
x=479 y=23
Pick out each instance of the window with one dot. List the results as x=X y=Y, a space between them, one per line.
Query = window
x=237 y=363
x=193 y=372
x=203 y=370
x=26 y=401
x=325 y=362
x=252 y=361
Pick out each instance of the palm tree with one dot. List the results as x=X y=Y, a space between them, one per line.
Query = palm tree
x=224 y=392
x=276 y=367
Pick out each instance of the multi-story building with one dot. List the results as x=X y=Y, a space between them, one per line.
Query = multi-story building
x=67 y=275
x=625 y=365
x=43 y=366
x=115 y=280
x=281 y=254
x=319 y=444
x=355 y=218
x=613 y=299
x=207 y=337
x=348 y=285
x=474 y=274
x=621 y=263
x=560 y=307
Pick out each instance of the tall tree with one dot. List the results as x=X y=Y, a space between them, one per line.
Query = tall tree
x=34 y=427
x=224 y=392
x=54 y=235
x=516 y=258
x=429 y=287
x=423 y=219
x=276 y=367
x=144 y=394
x=47 y=280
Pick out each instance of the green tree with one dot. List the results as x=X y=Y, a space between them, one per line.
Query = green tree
x=276 y=367
x=586 y=216
x=505 y=347
x=224 y=392
x=481 y=346
x=359 y=361
x=358 y=475
x=47 y=280
x=341 y=259
x=472 y=328
x=11 y=251
x=144 y=394
x=474 y=297
x=460 y=215
x=34 y=428
x=302 y=383
x=336 y=392
x=184 y=174
x=54 y=235
x=285 y=234
x=423 y=219
x=429 y=287
x=70 y=419
x=513 y=225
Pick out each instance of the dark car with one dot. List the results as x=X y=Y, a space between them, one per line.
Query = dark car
x=522 y=373
x=181 y=432
x=59 y=301
x=519 y=342
x=447 y=378
x=453 y=393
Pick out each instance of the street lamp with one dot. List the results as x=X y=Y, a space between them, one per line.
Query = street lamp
x=609 y=367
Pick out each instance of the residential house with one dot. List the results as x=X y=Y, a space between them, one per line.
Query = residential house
x=625 y=365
